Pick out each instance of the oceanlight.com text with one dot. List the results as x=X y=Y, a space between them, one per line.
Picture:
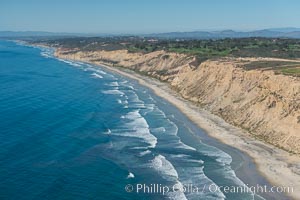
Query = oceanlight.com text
x=156 y=188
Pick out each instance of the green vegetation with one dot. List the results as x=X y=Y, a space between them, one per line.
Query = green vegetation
x=239 y=47
x=269 y=65
x=291 y=71
x=280 y=67
x=201 y=49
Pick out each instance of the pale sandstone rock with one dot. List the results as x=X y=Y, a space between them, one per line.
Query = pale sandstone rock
x=265 y=104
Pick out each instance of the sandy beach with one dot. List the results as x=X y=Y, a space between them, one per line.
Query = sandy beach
x=279 y=167
x=150 y=100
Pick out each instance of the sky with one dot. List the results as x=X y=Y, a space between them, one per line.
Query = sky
x=146 y=16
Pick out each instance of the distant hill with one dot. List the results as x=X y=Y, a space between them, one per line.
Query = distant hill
x=289 y=32
x=285 y=30
x=34 y=34
x=30 y=34
x=269 y=33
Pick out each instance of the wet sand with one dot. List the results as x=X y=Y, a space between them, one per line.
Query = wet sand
x=263 y=164
x=275 y=167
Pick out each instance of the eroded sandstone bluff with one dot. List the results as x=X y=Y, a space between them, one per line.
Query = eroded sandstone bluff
x=265 y=104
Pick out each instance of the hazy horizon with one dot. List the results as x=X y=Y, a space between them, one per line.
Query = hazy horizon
x=137 y=17
x=198 y=30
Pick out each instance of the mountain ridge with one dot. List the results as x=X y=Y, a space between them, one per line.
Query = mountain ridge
x=289 y=32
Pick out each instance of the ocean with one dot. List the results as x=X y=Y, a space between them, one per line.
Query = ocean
x=72 y=130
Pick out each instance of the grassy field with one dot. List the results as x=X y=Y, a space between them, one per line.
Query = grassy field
x=280 y=67
x=291 y=71
x=201 y=49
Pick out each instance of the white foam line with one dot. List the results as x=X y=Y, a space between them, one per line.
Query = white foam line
x=192 y=173
x=97 y=75
x=130 y=175
x=130 y=87
x=222 y=157
x=113 y=92
x=100 y=71
x=70 y=62
x=159 y=129
x=143 y=153
x=172 y=129
x=167 y=171
x=107 y=132
x=114 y=83
x=45 y=54
x=137 y=127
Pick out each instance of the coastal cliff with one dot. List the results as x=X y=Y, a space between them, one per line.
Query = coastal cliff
x=262 y=102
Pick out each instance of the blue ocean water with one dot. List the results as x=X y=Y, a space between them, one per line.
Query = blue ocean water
x=71 y=130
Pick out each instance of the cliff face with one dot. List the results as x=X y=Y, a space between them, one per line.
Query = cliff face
x=159 y=64
x=265 y=104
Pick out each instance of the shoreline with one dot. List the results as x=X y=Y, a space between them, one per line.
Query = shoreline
x=276 y=166
x=262 y=156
